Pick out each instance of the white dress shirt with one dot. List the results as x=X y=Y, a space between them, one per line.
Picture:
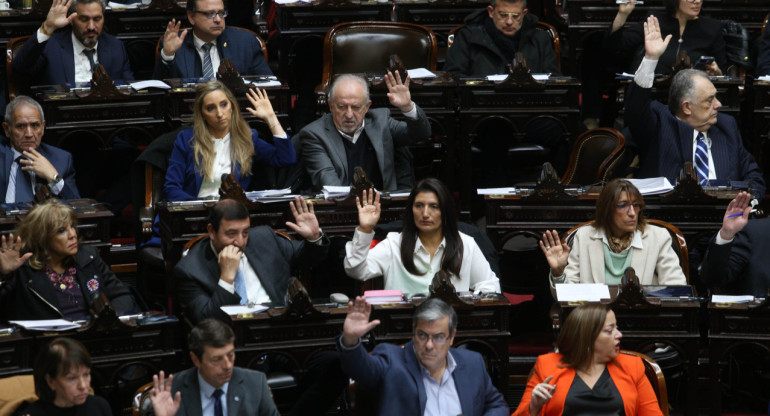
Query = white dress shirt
x=222 y=165
x=83 y=71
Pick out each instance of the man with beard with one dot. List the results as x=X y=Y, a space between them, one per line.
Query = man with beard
x=71 y=55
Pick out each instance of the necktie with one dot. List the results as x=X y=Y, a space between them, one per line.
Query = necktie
x=23 y=183
x=240 y=287
x=90 y=55
x=702 y=160
x=208 y=70
x=217 y=402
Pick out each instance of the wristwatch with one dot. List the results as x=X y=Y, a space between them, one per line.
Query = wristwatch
x=55 y=181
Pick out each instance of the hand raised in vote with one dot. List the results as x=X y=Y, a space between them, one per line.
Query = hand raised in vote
x=357 y=321
x=163 y=402
x=368 y=210
x=172 y=40
x=263 y=109
x=229 y=261
x=555 y=252
x=654 y=44
x=736 y=216
x=305 y=222
x=398 y=92
x=626 y=8
x=57 y=16
x=10 y=257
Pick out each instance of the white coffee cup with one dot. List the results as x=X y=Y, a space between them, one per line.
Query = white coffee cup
x=4 y=5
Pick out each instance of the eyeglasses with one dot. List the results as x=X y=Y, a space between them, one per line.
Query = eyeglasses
x=694 y=1
x=211 y=15
x=438 y=339
x=623 y=206
x=510 y=15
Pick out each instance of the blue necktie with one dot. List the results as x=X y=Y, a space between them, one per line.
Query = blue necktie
x=23 y=183
x=208 y=70
x=702 y=160
x=90 y=55
x=218 y=403
x=240 y=287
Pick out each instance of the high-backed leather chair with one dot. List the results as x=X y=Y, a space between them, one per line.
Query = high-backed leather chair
x=678 y=241
x=596 y=156
x=17 y=85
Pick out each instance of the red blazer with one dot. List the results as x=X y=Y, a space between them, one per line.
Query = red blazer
x=627 y=373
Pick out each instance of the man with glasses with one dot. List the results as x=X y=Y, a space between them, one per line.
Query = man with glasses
x=198 y=54
x=492 y=36
x=425 y=377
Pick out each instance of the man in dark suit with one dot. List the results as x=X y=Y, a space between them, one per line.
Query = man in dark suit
x=427 y=375
x=71 y=55
x=26 y=161
x=198 y=54
x=736 y=259
x=690 y=129
x=212 y=350
x=352 y=135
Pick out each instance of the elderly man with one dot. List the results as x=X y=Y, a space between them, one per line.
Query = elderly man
x=197 y=52
x=26 y=161
x=492 y=36
x=71 y=55
x=352 y=135
x=425 y=377
x=690 y=129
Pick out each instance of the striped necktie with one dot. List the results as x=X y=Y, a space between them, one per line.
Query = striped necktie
x=208 y=69
x=702 y=160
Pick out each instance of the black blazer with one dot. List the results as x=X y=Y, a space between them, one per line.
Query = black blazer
x=740 y=267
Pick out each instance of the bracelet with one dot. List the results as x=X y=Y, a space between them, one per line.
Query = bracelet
x=320 y=231
x=42 y=29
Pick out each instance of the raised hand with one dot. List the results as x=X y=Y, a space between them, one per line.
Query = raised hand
x=172 y=40
x=57 y=16
x=368 y=210
x=357 y=321
x=540 y=395
x=163 y=402
x=229 y=261
x=555 y=252
x=736 y=217
x=626 y=8
x=36 y=162
x=398 y=92
x=263 y=109
x=10 y=258
x=654 y=44
x=306 y=223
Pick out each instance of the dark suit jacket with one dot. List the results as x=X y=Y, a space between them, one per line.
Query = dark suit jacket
x=272 y=257
x=28 y=293
x=238 y=45
x=394 y=373
x=740 y=267
x=247 y=393
x=53 y=62
x=763 y=59
x=60 y=159
x=665 y=143
x=325 y=159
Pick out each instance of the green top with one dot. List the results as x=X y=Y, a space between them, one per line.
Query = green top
x=615 y=264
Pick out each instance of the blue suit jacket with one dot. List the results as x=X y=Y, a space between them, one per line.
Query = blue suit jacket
x=665 y=142
x=394 y=373
x=60 y=159
x=238 y=45
x=53 y=61
x=183 y=180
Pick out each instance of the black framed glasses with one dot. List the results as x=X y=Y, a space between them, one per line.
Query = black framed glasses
x=211 y=15
x=623 y=206
x=438 y=339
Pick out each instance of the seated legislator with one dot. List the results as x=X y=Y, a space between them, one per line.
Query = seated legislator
x=429 y=243
x=27 y=161
x=588 y=376
x=689 y=129
x=763 y=58
x=197 y=52
x=492 y=37
x=424 y=377
x=62 y=377
x=221 y=142
x=47 y=275
x=215 y=386
x=619 y=238
x=71 y=55
x=353 y=136
x=736 y=260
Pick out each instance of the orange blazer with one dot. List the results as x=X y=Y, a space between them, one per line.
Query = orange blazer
x=627 y=373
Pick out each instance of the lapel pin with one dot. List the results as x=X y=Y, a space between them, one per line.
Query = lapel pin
x=225 y=45
x=236 y=398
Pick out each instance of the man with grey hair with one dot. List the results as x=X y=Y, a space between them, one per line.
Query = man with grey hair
x=71 y=55
x=425 y=377
x=26 y=161
x=690 y=129
x=352 y=135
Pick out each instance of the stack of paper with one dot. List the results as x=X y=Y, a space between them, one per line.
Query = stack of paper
x=47 y=325
x=652 y=186
x=496 y=191
x=500 y=77
x=418 y=73
x=731 y=299
x=336 y=192
x=376 y=297
x=590 y=292
x=271 y=195
x=242 y=309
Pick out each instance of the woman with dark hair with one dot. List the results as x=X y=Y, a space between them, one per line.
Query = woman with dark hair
x=588 y=375
x=428 y=243
x=221 y=142
x=618 y=239
x=699 y=36
x=63 y=382
x=46 y=274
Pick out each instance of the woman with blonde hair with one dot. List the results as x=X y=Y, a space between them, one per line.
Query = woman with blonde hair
x=46 y=274
x=221 y=142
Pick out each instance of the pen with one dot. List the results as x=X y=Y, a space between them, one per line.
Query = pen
x=738 y=214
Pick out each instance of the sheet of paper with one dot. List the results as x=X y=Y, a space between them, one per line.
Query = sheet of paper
x=652 y=186
x=267 y=83
x=268 y=192
x=418 y=73
x=47 y=325
x=731 y=299
x=591 y=292
x=500 y=77
x=239 y=309
x=764 y=78
x=496 y=191
x=150 y=83
x=399 y=194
